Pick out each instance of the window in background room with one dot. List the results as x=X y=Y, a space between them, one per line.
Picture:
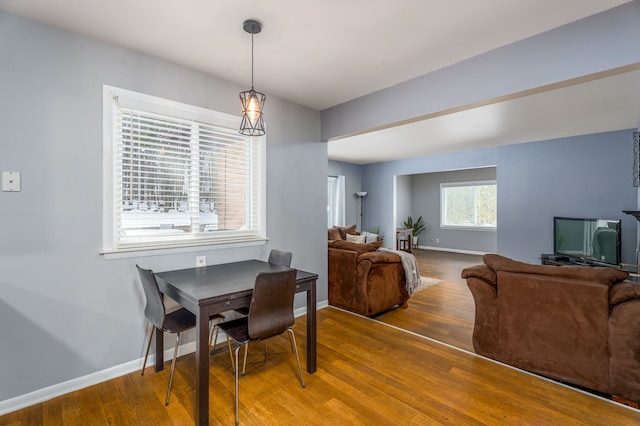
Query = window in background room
x=178 y=175
x=336 y=215
x=470 y=205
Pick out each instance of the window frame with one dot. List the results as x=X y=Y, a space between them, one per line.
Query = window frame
x=443 y=206
x=179 y=110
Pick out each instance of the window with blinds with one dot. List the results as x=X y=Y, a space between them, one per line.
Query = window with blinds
x=181 y=176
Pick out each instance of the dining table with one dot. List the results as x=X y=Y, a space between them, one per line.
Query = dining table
x=213 y=289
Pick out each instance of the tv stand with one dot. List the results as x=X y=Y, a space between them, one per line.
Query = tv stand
x=563 y=259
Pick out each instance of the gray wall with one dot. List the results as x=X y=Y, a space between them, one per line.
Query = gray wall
x=582 y=176
x=65 y=311
x=425 y=193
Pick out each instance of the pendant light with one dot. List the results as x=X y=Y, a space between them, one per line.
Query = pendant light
x=252 y=102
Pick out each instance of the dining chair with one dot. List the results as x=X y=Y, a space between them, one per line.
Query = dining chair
x=281 y=258
x=270 y=315
x=174 y=322
x=276 y=257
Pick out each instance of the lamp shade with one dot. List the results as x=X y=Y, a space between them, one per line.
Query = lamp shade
x=252 y=121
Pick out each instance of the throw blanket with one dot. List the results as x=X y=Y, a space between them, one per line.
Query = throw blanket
x=411 y=273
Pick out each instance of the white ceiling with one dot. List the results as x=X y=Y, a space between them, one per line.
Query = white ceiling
x=323 y=53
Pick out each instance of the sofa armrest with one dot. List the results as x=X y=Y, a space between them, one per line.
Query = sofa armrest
x=379 y=257
x=624 y=345
x=482 y=272
x=624 y=291
x=482 y=283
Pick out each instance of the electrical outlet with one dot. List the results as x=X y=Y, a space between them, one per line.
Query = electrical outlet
x=201 y=261
x=437 y=240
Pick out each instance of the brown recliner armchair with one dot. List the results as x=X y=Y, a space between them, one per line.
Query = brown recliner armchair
x=364 y=280
x=576 y=324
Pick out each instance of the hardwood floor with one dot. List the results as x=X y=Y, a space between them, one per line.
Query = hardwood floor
x=368 y=373
x=446 y=311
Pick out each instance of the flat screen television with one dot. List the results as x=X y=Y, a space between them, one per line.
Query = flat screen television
x=588 y=239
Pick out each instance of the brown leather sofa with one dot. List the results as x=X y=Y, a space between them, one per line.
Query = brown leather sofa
x=364 y=280
x=576 y=324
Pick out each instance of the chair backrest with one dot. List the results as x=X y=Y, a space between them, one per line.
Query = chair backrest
x=280 y=258
x=271 y=309
x=154 y=310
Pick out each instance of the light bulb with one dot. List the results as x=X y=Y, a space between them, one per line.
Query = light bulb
x=252 y=109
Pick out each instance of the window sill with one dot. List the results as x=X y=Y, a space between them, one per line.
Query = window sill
x=113 y=254
x=468 y=228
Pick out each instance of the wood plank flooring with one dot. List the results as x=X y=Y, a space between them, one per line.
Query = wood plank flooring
x=368 y=373
x=446 y=311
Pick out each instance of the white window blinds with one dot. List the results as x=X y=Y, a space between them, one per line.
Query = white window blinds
x=180 y=181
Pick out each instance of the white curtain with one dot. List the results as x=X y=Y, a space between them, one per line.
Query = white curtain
x=336 y=215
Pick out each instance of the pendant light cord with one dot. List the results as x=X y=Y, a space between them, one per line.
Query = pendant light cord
x=251 y=61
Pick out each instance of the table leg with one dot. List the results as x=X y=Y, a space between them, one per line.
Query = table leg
x=311 y=329
x=159 y=337
x=202 y=368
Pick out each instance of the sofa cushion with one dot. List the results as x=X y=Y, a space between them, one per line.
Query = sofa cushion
x=349 y=245
x=358 y=239
x=344 y=230
x=370 y=237
x=334 y=234
x=607 y=276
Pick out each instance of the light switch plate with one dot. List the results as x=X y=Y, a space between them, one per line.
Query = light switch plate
x=11 y=181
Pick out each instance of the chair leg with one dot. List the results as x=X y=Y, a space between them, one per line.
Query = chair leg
x=231 y=354
x=292 y=346
x=173 y=366
x=213 y=338
x=244 y=365
x=295 y=346
x=144 y=364
x=237 y=378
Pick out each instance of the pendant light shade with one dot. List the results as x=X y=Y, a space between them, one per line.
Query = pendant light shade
x=252 y=102
x=252 y=122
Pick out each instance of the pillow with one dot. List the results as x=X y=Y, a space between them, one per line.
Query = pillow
x=370 y=237
x=360 y=239
x=344 y=230
x=334 y=234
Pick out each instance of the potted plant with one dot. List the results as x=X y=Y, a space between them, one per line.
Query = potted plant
x=416 y=228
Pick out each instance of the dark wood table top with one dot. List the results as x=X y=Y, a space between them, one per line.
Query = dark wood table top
x=209 y=284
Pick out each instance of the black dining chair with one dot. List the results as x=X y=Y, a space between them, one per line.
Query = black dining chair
x=175 y=322
x=270 y=315
x=276 y=257
x=281 y=258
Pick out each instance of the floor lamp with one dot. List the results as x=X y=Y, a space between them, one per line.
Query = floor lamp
x=361 y=195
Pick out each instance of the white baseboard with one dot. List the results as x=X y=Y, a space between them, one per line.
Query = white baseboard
x=479 y=253
x=53 y=391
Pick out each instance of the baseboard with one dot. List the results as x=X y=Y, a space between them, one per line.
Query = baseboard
x=452 y=250
x=53 y=391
